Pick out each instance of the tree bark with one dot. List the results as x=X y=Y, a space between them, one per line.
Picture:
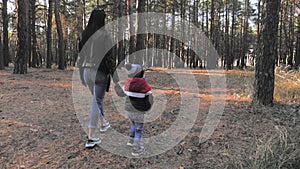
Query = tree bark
x=291 y=34
x=1 y=54
x=233 y=32
x=212 y=21
x=172 y=40
x=83 y=14
x=49 y=35
x=264 y=72
x=21 y=60
x=29 y=44
x=61 y=44
x=183 y=22
x=121 y=51
x=285 y=32
x=164 y=37
x=130 y=28
x=35 y=62
x=227 y=46
x=141 y=26
x=6 y=56
x=196 y=26
x=297 y=55
x=280 y=45
x=212 y=61
x=245 y=35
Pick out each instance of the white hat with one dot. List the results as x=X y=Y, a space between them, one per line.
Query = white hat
x=133 y=69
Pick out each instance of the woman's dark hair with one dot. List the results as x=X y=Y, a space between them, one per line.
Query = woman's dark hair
x=96 y=21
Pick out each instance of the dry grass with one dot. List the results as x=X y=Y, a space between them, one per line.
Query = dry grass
x=287 y=84
x=273 y=151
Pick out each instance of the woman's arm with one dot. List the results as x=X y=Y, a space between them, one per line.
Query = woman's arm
x=111 y=59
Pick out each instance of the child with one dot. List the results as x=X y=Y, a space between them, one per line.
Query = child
x=138 y=101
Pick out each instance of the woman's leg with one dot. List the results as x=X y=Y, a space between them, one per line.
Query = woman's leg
x=88 y=74
x=97 y=86
x=99 y=92
x=94 y=118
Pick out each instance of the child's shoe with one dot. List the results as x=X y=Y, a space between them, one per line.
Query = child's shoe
x=130 y=142
x=138 y=151
x=105 y=127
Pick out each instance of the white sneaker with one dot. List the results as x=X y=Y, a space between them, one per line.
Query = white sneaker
x=91 y=143
x=105 y=127
x=138 y=151
x=130 y=142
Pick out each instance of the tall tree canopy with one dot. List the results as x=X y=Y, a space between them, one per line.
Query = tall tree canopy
x=233 y=26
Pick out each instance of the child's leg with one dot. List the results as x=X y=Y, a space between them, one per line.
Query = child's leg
x=139 y=131
x=139 y=128
x=132 y=129
x=131 y=134
x=138 y=149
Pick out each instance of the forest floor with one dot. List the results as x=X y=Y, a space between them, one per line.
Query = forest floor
x=39 y=127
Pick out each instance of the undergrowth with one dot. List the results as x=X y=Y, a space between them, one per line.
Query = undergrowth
x=286 y=87
x=272 y=151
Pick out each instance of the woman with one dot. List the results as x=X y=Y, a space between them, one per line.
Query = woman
x=97 y=62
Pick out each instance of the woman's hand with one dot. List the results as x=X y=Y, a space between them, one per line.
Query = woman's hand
x=120 y=92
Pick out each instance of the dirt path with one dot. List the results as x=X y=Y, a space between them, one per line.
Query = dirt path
x=39 y=127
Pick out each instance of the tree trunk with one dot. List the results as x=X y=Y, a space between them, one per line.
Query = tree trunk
x=147 y=36
x=29 y=44
x=264 y=72
x=212 y=21
x=196 y=26
x=233 y=31
x=1 y=54
x=183 y=22
x=61 y=45
x=259 y=22
x=20 y=66
x=207 y=18
x=297 y=56
x=188 y=55
x=83 y=14
x=121 y=51
x=131 y=29
x=227 y=46
x=172 y=40
x=285 y=32
x=278 y=58
x=291 y=34
x=217 y=26
x=164 y=37
x=211 y=61
x=35 y=62
x=141 y=26
x=245 y=35
x=6 y=57
x=49 y=35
